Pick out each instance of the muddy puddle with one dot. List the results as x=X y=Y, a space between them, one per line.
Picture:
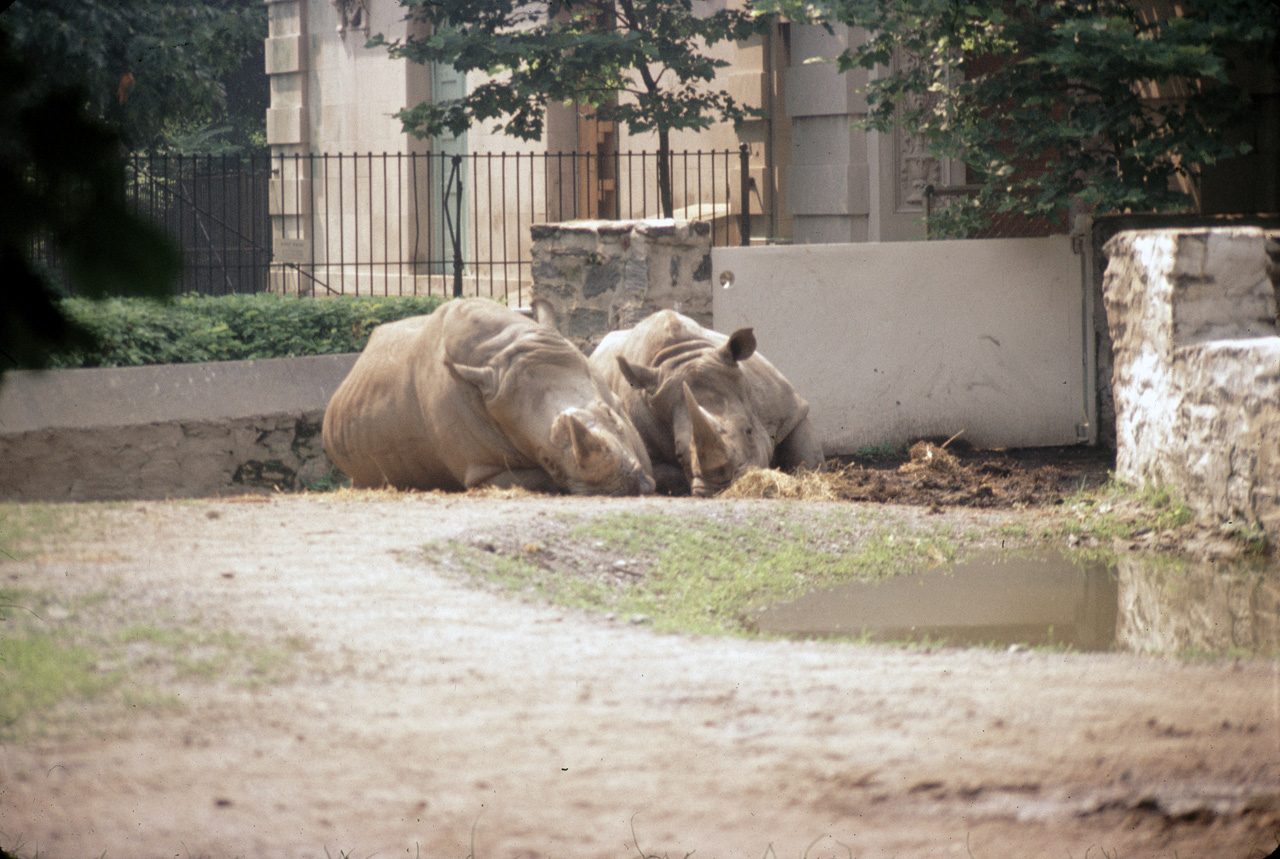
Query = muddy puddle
x=1136 y=604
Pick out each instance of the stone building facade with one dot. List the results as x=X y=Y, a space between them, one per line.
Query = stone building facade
x=813 y=177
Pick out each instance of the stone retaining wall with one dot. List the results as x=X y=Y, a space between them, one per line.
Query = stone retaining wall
x=1192 y=314
x=604 y=275
x=169 y=431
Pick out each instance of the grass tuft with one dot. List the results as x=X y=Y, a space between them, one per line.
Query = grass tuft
x=699 y=573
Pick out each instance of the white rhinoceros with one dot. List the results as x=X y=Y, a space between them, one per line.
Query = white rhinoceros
x=476 y=394
x=707 y=406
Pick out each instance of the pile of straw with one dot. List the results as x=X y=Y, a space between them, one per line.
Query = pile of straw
x=769 y=483
x=927 y=456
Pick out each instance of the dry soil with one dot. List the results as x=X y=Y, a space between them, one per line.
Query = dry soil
x=416 y=715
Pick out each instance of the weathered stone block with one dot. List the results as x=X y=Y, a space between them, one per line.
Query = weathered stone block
x=605 y=275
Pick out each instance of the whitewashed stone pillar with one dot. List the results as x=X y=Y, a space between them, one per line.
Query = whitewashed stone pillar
x=1196 y=378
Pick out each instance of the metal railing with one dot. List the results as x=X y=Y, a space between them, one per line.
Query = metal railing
x=213 y=207
x=438 y=223
x=392 y=223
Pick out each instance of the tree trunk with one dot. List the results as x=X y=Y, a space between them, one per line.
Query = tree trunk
x=665 y=193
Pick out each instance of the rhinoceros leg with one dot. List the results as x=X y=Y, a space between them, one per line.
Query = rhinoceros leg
x=800 y=449
x=533 y=479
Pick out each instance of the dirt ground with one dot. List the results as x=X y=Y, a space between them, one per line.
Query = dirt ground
x=421 y=716
x=963 y=476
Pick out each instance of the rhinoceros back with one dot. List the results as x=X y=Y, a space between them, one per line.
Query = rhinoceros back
x=373 y=427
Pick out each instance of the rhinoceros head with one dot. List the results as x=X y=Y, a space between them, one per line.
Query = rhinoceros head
x=705 y=398
x=594 y=451
x=546 y=400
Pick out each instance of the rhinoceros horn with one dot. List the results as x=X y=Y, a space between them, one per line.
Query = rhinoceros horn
x=708 y=449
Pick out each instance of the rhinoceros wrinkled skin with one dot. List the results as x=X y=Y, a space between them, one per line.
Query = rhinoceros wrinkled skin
x=476 y=394
x=707 y=406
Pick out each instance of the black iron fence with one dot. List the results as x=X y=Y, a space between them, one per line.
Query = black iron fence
x=215 y=209
x=393 y=223
x=440 y=223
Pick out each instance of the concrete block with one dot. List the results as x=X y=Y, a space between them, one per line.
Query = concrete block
x=747 y=88
x=156 y=432
x=829 y=189
x=286 y=125
x=284 y=55
x=894 y=341
x=818 y=89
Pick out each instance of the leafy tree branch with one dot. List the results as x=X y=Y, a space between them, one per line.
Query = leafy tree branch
x=1099 y=105
x=589 y=52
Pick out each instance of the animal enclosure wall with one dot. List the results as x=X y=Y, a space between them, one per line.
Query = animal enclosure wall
x=896 y=341
x=176 y=430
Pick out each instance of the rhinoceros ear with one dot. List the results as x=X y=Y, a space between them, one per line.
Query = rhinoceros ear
x=741 y=346
x=639 y=376
x=544 y=312
x=485 y=379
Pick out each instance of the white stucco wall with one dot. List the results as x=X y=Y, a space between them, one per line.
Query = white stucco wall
x=894 y=341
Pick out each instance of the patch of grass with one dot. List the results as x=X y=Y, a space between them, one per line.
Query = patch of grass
x=329 y=482
x=1014 y=530
x=24 y=527
x=194 y=654
x=31 y=528
x=1252 y=538
x=39 y=670
x=19 y=604
x=50 y=656
x=882 y=450
x=700 y=573
x=1117 y=511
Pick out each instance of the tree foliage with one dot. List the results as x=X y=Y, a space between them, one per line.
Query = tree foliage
x=157 y=71
x=1097 y=104
x=641 y=63
x=62 y=183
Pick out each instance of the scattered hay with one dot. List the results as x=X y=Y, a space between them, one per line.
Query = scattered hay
x=770 y=483
x=927 y=456
x=385 y=493
x=503 y=492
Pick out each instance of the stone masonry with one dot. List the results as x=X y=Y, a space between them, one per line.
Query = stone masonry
x=181 y=430
x=182 y=459
x=1192 y=314
x=604 y=275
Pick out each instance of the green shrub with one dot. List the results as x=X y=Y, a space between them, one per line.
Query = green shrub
x=131 y=332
